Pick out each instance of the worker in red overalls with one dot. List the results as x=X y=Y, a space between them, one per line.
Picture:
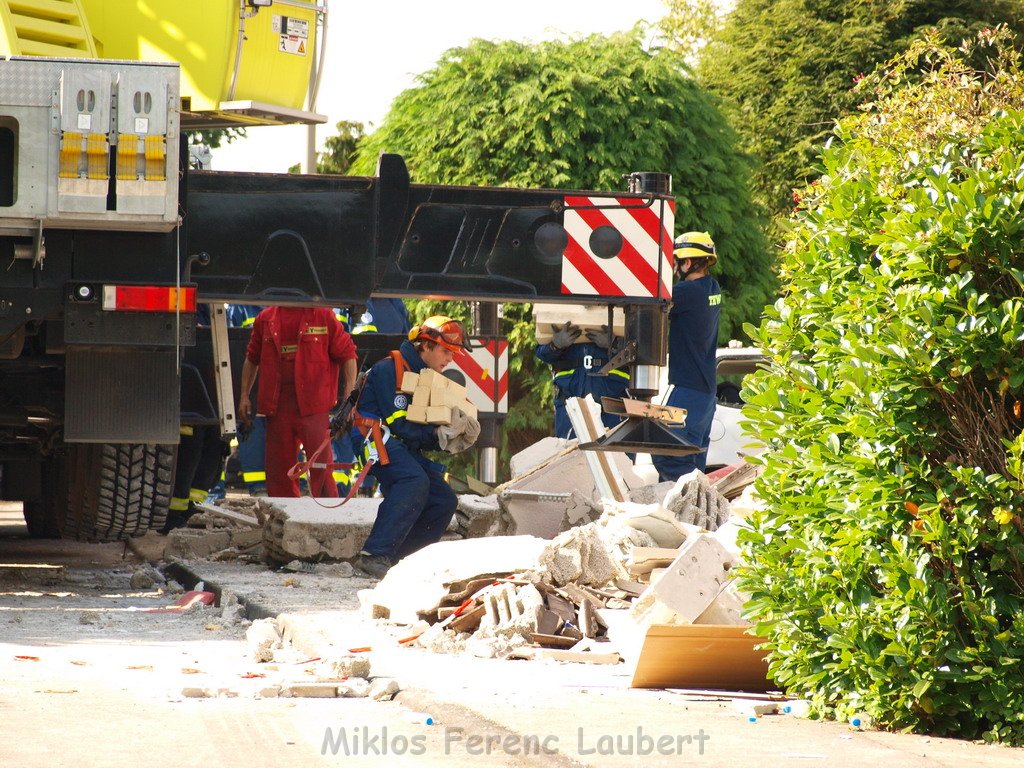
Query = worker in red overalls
x=298 y=352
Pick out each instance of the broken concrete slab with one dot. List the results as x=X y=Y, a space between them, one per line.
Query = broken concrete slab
x=538 y=454
x=692 y=500
x=418 y=583
x=651 y=494
x=311 y=529
x=726 y=608
x=580 y=510
x=477 y=516
x=581 y=556
x=195 y=544
x=263 y=639
x=688 y=586
x=535 y=503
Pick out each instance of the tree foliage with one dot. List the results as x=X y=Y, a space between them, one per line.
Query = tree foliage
x=785 y=69
x=689 y=24
x=887 y=567
x=579 y=114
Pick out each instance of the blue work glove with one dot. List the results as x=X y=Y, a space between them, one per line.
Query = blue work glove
x=565 y=336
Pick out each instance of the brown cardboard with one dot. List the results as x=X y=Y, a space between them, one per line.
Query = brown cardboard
x=701 y=656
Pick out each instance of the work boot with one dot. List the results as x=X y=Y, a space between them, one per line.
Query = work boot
x=374 y=565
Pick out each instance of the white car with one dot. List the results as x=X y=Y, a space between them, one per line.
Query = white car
x=729 y=442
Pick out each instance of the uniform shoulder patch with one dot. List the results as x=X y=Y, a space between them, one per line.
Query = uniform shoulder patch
x=401 y=401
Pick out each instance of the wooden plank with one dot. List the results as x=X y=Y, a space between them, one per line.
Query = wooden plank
x=552 y=641
x=609 y=484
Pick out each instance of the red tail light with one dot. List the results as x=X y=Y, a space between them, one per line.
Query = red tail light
x=149 y=298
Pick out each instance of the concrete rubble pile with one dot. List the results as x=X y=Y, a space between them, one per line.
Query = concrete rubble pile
x=663 y=559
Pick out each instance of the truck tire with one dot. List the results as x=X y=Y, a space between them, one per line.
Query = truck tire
x=110 y=492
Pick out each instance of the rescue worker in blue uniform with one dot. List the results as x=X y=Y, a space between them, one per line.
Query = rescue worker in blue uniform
x=574 y=367
x=418 y=504
x=692 y=348
x=381 y=316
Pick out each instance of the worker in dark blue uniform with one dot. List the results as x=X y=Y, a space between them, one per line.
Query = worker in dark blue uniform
x=418 y=504
x=692 y=349
x=574 y=367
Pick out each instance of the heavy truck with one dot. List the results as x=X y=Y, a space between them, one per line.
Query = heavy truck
x=110 y=241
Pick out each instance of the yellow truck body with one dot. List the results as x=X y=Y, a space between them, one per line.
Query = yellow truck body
x=241 y=63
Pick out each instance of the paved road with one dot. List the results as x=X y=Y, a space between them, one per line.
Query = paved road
x=87 y=678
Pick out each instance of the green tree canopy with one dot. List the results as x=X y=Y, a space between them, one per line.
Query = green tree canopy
x=785 y=69
x=887 y=567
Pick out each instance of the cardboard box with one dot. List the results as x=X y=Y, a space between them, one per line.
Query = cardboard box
x=701 y=656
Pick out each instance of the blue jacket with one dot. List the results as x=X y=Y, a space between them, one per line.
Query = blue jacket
x=574 y=369
x=381 y=399
x=693 y=333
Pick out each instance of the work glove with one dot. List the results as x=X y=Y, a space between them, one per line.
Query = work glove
x=603 y=338
x=460 y=434
x=565 y=335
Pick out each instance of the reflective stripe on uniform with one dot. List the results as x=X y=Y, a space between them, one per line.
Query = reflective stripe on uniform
x=617 y=372
x=254 y=477
x=197 y=495
x=178 y=505
x=395 y=415
x=186 y=430
x=569 y=372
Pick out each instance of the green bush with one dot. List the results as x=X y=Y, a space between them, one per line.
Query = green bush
x=887 y=565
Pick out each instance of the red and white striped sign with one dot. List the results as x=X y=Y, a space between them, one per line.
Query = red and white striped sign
x=642 y=268
x=485 y=370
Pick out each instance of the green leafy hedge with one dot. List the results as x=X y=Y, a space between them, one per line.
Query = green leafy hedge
x=887 y=567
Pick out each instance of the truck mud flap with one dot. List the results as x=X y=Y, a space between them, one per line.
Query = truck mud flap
x=121 y=395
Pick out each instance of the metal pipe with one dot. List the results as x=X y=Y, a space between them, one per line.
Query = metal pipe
x=238 y=49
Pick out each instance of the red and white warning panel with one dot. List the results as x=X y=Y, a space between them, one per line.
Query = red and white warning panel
x=618 y=246
x=484 y=370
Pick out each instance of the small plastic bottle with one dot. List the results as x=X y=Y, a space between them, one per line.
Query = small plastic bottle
x=797 y=708
x=861 y=721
